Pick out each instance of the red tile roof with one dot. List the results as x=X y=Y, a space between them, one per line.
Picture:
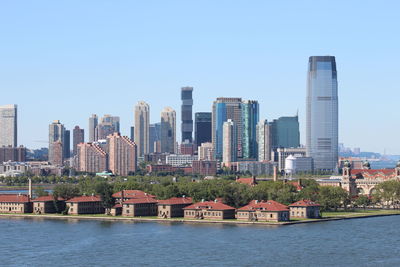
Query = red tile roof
x=248 y=181
x=373 y=172
x=209 y=205
x=132 y=194
x=14 y=198
x=84 y=199
x=141 y=200
x=269 y=205
x=297 y=185
x=304 y=203
x=46 y=198
x=176 y=201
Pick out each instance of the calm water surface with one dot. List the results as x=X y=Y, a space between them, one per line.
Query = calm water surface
x=39 y=242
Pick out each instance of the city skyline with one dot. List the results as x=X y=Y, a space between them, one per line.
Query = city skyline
x=228 y=57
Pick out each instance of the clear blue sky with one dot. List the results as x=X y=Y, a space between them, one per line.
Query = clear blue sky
x=68 y=59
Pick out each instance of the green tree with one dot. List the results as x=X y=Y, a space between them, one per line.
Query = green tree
x=66 y=191
x=331 y=197
x=40 y=192
x=362 y=201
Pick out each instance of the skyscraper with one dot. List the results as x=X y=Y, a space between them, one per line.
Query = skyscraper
x=187 y=118
x=122 y=155
x=93 y=121
x=67 y=144
x=168 y=130
x=142 y=121
x=56 y=142
x=229 y=142
x=91 y=158
x=112 y=120
x=322 y=113
x=250 y=117
x=202 y=127
x=264 y=140
x=285 y=132
x=107 y=126
x=78 y=137
x=155 y=137
x=224 y=109
x=8 y=125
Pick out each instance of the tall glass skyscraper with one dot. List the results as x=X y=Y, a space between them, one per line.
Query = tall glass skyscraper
x=202 y=128
x=187 y=117
x=322 y=113
x=250 y=117
x=285 y=132
x=225 y=108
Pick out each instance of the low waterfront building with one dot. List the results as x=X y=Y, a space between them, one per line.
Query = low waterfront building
x=306 y=209
x=47 y=204
x=212 y=210
x=116 y=210
x=85 y=205
x=136 y=207
x=125 y=195
x=264 y=211
x=173 y=207
x=13 y=203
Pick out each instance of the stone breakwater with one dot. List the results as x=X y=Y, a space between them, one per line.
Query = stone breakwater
x=181 y=220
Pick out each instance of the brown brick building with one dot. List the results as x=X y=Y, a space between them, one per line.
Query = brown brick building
x=209 y=210
x=47 y=204
x=204 y=167
x=263 y=211
x=173 y=207
x=11 y=203
x=136 y=207
x=122 y=159
x=305 y=209
x=91 y=158
x=85 y=205
x=125 y=195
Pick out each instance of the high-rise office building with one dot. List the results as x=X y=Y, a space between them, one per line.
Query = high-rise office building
x=78 y=137
x=168 y=130
x=285 y=132
x=8 y=125
x=155 y=137
x=56 y=142
x=67 y=144
x=187 y=117
x=202 y=127
x=264 y=140
x=93 y=122
x=229 y=142
x=250 y=118
x=224 y=109
x=122 y=157
x=91 y=158
x=142 y=121
x=322 y=113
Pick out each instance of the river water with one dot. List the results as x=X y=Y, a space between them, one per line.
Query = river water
x=43 y=242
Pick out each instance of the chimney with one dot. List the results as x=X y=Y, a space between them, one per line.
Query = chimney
x=30 y=188
x=256 y=201
x=216 y=200
x=122 y=196
x=183 y=196
x=202 y=200
x=275 y=174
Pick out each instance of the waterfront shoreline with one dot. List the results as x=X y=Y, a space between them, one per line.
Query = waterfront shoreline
x=179 y=220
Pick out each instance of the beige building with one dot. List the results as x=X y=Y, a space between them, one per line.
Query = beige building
x=142 y=121
x=206 y=151
x=173 y=207
x=168 y=130
x=11 y=203
x=212 y=210
x=47 y=204
x=136 y=207
x=91 y=158
x=122 y=155
x=229 y=142
x=263 y=211
x=8 y=126
x=305 y=209
x=85 y=205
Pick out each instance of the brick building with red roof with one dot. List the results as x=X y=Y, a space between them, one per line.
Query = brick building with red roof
x=15 y=203
x=305 y=209
x=85 y=205
x=47 y=204
x=209 y=210
x=249 y=181
x=173 y=207
x=125 y=195
x=136 y=207
x=263 y=211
